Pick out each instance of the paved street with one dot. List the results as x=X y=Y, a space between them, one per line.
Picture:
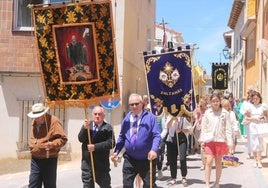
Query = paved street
x=245 y=175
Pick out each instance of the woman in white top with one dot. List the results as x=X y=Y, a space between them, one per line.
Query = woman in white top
x=177 y=129
x=235 y=129
x=215 y=122
x=255 y=114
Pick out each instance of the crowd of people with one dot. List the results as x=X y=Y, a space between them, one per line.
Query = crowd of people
x=145 y=140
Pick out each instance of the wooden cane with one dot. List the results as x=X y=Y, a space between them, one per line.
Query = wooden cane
x=178 y=144
x=151 y=174
x=178 y=141
x=91 y=154
x=47 y=152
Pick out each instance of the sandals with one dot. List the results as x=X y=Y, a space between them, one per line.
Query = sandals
x=184 y=182
x=259 y=164
x=172 y=182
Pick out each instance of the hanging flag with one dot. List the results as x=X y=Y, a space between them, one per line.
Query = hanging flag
x=219 y=75
x=169 y=80
x=198 y=76
x=76 y=52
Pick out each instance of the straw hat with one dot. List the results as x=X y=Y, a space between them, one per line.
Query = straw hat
x=38 y=110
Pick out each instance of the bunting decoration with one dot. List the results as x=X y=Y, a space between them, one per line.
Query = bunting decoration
x=169 y=80
x=76 y=52
x=219 y=76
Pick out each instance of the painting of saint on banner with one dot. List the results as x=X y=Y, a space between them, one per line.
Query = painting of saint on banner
x=76 y=52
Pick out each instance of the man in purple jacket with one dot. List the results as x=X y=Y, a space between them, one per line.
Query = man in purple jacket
x=140 y=136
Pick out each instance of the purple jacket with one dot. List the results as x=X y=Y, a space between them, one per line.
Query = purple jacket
x=148 y=136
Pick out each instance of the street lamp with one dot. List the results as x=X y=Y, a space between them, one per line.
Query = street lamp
x=226 y=53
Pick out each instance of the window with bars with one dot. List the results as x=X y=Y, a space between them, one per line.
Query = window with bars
x=25 y=122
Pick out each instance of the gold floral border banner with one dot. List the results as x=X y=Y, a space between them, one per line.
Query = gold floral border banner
x=77 y=52
x=169 y=79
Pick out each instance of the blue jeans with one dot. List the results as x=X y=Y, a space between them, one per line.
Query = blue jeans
x=43 y=171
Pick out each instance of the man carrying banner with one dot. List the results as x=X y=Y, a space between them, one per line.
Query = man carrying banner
x=102 y=139
x=140 y=136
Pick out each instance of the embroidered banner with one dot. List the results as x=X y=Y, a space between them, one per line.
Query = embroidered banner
x=219 y=76
x=77 y=52
x=169 y=82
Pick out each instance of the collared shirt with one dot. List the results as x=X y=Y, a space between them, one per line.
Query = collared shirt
x=95 y=127
x=132 y=120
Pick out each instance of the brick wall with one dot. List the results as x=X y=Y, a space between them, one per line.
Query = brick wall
x=17 y=49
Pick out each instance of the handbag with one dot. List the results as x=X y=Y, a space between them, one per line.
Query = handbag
x=230 y=160
x=164 y=140
x=262 y=129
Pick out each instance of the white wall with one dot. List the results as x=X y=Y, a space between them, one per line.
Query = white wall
x=13 y=89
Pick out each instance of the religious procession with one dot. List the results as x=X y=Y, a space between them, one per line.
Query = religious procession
x=102 y=95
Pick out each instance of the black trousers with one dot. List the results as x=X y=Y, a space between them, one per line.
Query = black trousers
x=103 y=178
x=160 y=155
x=172 y=155
x=132 y=167
x=43 y=171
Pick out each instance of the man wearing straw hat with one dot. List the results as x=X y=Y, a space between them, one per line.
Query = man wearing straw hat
x=101 y=141
x=140 y=136
x=47 y=137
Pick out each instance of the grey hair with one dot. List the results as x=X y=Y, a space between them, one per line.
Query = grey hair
x=98 y=107
x=135 y=95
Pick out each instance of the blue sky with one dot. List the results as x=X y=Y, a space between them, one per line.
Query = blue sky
x=200 y=21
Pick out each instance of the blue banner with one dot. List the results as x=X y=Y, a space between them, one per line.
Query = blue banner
x=169 y=80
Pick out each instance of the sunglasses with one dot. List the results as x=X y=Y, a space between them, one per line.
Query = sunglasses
x=134 y=104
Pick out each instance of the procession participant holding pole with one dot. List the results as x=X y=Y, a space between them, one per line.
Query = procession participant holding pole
x=178 y=128
x=140 y=136
x=47 y=137
x=100 y=142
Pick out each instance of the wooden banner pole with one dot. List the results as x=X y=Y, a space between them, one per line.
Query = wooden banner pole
x=151 y=174
x=91 y=154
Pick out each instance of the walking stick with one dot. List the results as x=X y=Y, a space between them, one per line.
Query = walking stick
x=91 y=154
x=151 y=174
x=178 y=142
x=47 y=152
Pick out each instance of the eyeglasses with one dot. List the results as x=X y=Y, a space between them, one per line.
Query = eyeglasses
x=99 y=114
x=134 y=104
